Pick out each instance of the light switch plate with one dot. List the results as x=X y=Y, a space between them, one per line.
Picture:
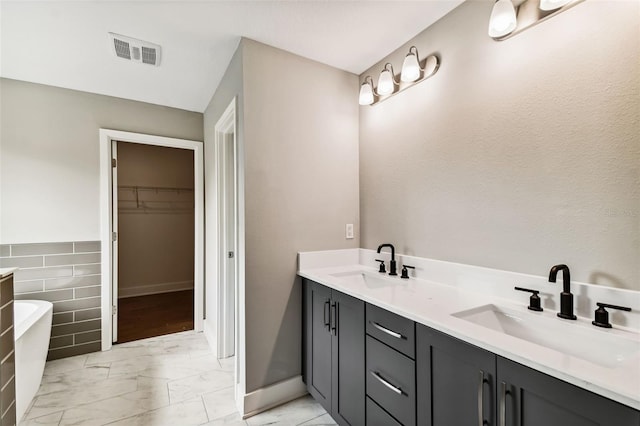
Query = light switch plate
x=349 y=231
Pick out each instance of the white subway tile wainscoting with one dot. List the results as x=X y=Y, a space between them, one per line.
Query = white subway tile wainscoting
x=168 y=380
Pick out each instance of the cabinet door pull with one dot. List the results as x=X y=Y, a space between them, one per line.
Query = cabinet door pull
x=503 y=405
x=387 y=384
x=481 y=382
x=386 y=330
x=334 y=317
x=326 y=314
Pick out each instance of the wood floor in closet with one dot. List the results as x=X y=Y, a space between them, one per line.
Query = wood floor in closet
x=154 y=315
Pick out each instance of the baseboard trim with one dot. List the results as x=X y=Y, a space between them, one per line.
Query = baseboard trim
x=210 y=335
x=268 y=397
x=146 y=289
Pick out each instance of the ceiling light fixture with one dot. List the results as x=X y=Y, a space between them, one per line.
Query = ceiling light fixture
x=511 y=17
x=389 y=84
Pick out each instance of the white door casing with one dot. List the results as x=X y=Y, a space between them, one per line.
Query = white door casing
x=107 y=196
x=114 y=241
x=227 y=235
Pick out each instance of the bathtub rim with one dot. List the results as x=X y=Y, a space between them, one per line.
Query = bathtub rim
x=42 y=307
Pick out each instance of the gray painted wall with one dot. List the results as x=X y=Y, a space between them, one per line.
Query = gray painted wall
x=230 y=86
x=49 y=171
x=518 y=154
x=298 y=137
x=301 y=188
x=49 y=190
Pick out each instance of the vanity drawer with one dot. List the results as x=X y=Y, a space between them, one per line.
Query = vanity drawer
x=394 y=330
x=376 y=416
x=391 y=381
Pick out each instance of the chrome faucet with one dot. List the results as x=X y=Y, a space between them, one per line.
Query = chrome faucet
x=566 y=298
x=392 y=263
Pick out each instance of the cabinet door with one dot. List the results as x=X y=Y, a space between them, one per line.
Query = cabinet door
x=455 y=381
x=317 y=340
x=529 y=398
x=348 y=395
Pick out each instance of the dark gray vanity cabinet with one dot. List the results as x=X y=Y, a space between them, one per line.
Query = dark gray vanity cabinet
x=391 y=371
x=460 y=384
x=334 y=352
x=455 y=381
x=527 y=397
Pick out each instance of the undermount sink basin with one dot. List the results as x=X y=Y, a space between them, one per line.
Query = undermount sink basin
x=369 y=279
x=594 y=345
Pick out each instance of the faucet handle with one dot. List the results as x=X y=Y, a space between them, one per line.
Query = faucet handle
x=534 y=300
x=382 y=269
x=602 y=316
x=405 y=272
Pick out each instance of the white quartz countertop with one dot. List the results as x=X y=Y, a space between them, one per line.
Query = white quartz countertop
x=432 y=304
x=7 y=271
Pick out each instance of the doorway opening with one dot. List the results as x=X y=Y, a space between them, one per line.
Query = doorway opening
x=153 y=218
x=110 y=141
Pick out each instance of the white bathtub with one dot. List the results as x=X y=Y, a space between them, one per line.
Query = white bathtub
x=32 y=325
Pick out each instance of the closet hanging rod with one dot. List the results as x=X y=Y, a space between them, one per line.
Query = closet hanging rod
x=155 y=188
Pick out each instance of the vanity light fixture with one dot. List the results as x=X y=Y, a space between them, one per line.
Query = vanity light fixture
x=511 y=17
x=413 y=72
x=387 y=82
x=552 y=4
x=411 y=66
x=503 y=19
x=366 y=91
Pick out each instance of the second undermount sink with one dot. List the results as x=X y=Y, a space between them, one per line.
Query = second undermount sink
x=597 y=346
x=368 y=279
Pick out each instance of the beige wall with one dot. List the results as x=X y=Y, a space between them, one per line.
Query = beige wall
x=230 y=87
x=301 y=188
x=49 y=158
x=298 y=146
x=518 y=154
x=155 y=234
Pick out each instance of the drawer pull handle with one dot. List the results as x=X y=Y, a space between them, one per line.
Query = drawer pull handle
x=327 y=322
x=334 y=318
x=502 y=405
x=481 y=382
x=386 y=330
x=387 y=384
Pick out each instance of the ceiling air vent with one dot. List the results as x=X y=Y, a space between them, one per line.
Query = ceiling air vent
x=136 y=50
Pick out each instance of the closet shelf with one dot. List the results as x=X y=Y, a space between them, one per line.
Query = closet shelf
x=154 y=199
x=155 y=188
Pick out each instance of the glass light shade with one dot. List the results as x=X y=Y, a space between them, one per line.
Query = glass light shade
x=385 y=83
x=552 y=4
x=366 y=94
x=503 y=19
x=410 y=68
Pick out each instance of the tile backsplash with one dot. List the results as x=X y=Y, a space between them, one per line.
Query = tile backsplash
x=68 y=275
x=7 y=354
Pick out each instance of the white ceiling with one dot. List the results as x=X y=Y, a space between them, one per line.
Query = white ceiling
x=65 y=43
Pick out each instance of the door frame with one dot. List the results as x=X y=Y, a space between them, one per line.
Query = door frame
x=107 y=136
x=227 y=295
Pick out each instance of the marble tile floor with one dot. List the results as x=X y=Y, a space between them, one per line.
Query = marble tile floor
x=171 y=380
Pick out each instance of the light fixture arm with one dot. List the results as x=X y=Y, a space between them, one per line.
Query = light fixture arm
x=374 y=89
x=413 y=48
x=393 y=75
x=370 y=80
